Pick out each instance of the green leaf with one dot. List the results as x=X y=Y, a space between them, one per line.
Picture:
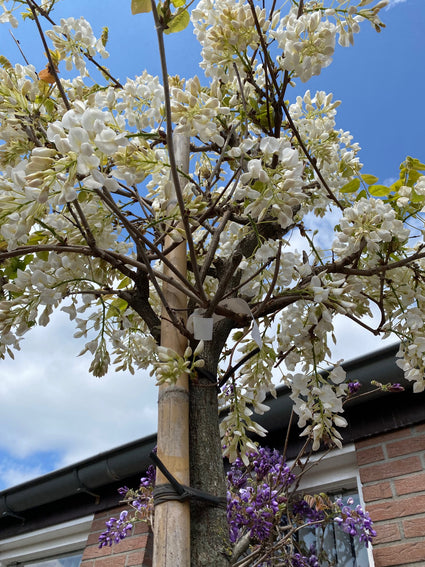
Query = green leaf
x=140 y=6
x=351 y=186
x=178 y=3
x=49 y=105
x=396 y=185
x=178 y=23
x=105 y=36
x=369 y=179
x=43 y=255
x=124 y=283
x=116 y=307
x=379 y=190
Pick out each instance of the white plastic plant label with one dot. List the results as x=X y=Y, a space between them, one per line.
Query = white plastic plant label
x=202 y=328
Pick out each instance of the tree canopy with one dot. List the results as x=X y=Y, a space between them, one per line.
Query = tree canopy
x=94 y=204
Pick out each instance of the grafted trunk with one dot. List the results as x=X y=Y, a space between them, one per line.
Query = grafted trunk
x=209 y=532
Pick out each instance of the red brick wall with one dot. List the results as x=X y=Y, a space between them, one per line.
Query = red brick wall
x=134 y=551
x=392 y=471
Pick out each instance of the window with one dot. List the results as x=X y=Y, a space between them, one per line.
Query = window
x=73 y=560
x=340 y=549
x=336 y=474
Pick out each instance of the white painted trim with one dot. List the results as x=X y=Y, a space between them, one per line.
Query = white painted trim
x=332 y=471
x=363 y=505
x=61 y=538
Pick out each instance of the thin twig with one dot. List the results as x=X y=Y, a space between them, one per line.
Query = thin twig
x=139 y=238
x=214 y=245
x=52 y=67
x=101 y=68
x=18 y=45
x=275 y=276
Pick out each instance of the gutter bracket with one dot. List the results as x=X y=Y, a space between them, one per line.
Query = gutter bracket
x=9 y=514
x=83 y=488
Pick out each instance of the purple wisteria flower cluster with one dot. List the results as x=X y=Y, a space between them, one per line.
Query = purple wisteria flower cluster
x=116 y=530
x=356 y=523
x=141 y=504
x=256 y=494
x=263 y=505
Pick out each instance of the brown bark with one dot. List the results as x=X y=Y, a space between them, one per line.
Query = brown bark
x=209 y=531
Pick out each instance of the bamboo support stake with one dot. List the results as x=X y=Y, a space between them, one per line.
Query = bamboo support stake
x=172 y=519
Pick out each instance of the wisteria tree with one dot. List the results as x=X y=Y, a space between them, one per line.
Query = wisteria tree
x=175 y=221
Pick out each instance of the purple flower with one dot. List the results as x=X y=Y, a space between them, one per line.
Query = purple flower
x=355 y=522
x=353 y=387
x=395 y=387
x=255 y=497
x=116 y=530
x=298 y=560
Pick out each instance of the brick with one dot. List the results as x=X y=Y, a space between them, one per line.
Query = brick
x=116 y=561
x=99 y=525
x=93 y=552
x=133 y=543
x=397 y=508
x=370 y=455
x=89 y=563
x=414 y=527
x=100 y=519
x=377 y=491
x=399 y=555
x=414 y=483
x=379 y=439
x=142 y=528
x=135 y=559
x=386 y=533
x=420 y=428
x=412 y=445
x=93 y=539
x=390 y=469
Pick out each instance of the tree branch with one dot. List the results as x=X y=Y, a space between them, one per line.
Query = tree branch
x=52 y=67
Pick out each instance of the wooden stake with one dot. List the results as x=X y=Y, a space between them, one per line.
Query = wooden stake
x=172 y=519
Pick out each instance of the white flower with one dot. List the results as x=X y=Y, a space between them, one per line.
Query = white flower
x=307 y=42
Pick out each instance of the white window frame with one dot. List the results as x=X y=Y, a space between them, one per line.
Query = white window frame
x=335 y=471
x=50 y=541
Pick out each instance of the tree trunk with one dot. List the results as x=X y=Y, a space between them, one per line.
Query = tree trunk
x=209 y=531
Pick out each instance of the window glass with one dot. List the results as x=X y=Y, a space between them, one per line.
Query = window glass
x=67 y=561
x=339 y=548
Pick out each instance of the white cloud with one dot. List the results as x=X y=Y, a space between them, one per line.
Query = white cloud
x=12 y=473
x=50 y=403
x=393 y=3
x=354 y=341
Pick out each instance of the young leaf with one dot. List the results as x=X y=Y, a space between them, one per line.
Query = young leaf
x=105 y=36
x=140 y=6
x=379 y=190
x=413 y=163
x=351 y=186
x=369 y=179
x=178 y=23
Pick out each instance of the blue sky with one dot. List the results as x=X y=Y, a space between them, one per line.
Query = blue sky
x=52 y=412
